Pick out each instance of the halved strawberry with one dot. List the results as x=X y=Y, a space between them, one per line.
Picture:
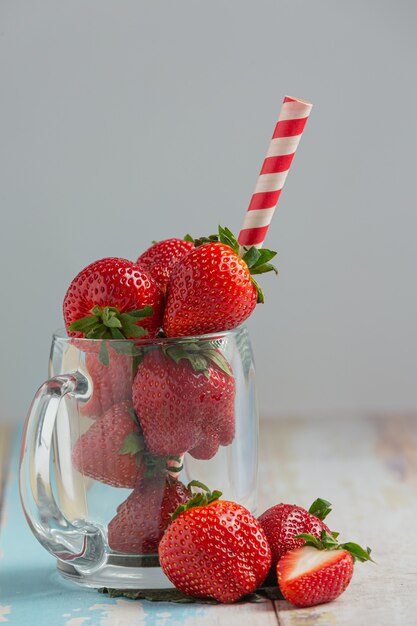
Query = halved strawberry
x=319 y=571
x=283 y=523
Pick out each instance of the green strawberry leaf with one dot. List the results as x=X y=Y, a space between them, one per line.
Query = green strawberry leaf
x=260 y=299
x=252 y=256
x=188 y=237
x=265 y=255
x=227 y=237
x=218 y=359
x=132 y=444
x=309 y=540
x=139 y=313
x=358 y=553
x=201 y=498
x=103 y=355
x=199 y=357
x=109 y=323
x=320 y=508
x=263 y=269
x=198 y=484
x=85 y=323
x=328 y=541
x=116 y=333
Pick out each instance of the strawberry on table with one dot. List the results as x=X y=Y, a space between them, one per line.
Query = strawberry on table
x=319 y=571
x=213 y=288
x=113 y=299
x=283 y=522
x=142 y=519
x=160 y=259
x=214 y=548
x=111 y=451
x=184 y=398
x=111 y=382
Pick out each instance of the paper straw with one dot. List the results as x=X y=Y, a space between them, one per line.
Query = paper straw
x=287 y=134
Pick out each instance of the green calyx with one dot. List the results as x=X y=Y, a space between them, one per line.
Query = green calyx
x=199 y=357
x=109 y=323
x=328 y=541
x=200 y=498
x=320 y=508
x=134 y=445
x=256 y=259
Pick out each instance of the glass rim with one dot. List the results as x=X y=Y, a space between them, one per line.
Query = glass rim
x=61 y=335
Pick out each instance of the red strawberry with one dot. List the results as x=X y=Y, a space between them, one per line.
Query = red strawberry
x=184 y=399
x=214 y=548
x=159 y=259
x=281 y=524
x=142 y=519
x=212 y=289
x=112 y=383
x=111 y=450
x=113 y=299
x=312 y=575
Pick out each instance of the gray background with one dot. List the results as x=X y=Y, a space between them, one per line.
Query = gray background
x=126 y=121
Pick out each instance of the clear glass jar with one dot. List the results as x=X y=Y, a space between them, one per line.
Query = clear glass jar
x=115 y=435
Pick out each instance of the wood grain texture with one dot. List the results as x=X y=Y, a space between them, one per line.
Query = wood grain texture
x=367 y=468
x=5 y=439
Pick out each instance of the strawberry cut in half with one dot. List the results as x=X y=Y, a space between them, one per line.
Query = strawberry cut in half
x=159 y=260
x=319 y=571
x=212 y=288
x=283 y=522
x=113 y=299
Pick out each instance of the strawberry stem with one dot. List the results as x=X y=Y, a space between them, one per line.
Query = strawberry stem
x=328 y=541
x=256 y=259
x=109 y=323
x=199 y=357
x=201 y=498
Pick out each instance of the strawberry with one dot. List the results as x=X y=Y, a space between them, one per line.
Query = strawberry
x=109 y=298
x=281 y=524
x=112 y=383
x=160 y=258
x=319 y=571
x=184 y=397
x=142 y=519
x=111 y=450
x=212 y=288
x=214 y=548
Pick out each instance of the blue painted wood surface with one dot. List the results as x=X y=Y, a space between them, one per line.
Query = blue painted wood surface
x=32 y=592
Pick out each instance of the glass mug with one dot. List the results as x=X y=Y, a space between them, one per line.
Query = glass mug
x=78 y=466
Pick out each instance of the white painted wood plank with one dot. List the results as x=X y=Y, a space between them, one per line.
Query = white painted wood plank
x=367 y=469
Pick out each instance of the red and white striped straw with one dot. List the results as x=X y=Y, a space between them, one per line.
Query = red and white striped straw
x=287 y=134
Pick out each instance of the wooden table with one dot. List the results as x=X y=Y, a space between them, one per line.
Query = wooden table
x=366 y=467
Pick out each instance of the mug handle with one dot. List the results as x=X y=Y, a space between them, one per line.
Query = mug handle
x=80 y=543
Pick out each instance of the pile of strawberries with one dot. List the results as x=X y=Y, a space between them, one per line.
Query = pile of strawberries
x=218 y=549
x=154 y=401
